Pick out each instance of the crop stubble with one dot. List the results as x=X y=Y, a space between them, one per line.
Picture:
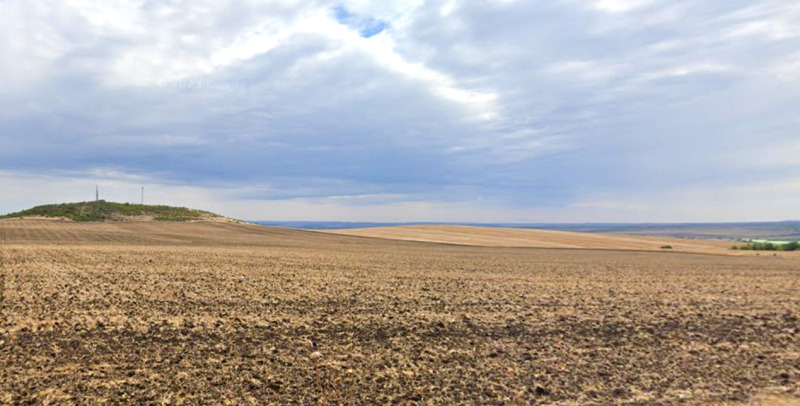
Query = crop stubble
x=318 y=319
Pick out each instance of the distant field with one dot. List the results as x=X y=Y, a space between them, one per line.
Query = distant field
x=511 y=237
x=775 y=230
x=219 y=313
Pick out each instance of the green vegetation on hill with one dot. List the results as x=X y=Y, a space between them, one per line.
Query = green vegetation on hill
x=108 y=211
x=770 y=246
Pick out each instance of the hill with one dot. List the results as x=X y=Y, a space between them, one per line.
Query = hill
x=511 y=237
x=37 y=231
x=102 y=210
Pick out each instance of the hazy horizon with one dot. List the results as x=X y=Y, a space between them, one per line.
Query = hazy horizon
x=606 y=111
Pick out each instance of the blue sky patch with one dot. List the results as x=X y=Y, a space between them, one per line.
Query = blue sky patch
x=367 y=26
x=343 y=15
x=371 y=27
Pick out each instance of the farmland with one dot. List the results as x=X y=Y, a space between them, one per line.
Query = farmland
x=209 y=313
x=515 y=237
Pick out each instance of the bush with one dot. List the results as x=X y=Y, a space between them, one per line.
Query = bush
x=666 y=247
x=769 y=246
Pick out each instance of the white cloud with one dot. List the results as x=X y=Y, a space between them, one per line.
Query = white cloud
x=508 y=109
x=381 y=50
x=608 y=205
x=771 y=29
x=621 y=6
x=787 y=69
x=585 y=70
x=686 y=70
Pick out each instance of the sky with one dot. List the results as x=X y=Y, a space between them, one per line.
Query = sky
x=451 y=111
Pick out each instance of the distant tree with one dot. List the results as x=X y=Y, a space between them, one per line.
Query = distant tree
x=770 y=246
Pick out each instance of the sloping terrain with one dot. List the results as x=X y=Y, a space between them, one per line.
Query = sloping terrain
x=516 y=237
x=102 y=210
x=215 y=313
x=198 y=233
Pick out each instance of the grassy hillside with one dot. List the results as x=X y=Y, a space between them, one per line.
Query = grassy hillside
x=110 y=211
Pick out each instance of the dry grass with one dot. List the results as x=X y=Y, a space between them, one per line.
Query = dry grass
x=220 y=313
x=515 y=237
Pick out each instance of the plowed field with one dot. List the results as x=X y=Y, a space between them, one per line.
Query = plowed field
x=210 y=313
x=516 y=237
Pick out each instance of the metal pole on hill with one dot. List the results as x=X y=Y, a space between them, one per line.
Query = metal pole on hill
x=96 y=193
x=142 y=195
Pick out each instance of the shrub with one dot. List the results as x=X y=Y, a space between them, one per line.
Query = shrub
x=769 y=246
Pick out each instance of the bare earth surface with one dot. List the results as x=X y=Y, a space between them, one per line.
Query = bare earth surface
x=517 y=237
x=215 y=313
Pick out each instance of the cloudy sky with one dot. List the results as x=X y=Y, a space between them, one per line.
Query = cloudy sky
x=482 y=111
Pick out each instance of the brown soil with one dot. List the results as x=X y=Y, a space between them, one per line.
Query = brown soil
x=516 y=237
x=215 y=313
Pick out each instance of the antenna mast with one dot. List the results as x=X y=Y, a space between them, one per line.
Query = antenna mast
x=97 y=193
x=142 y=195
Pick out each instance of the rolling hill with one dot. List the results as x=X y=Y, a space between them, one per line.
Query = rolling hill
x=102 y=210
x=511 y=237
x=124 y=223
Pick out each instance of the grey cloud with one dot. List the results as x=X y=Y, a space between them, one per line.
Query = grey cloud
x=654 y=98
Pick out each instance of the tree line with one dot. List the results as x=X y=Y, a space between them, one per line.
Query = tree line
x=770 y=246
